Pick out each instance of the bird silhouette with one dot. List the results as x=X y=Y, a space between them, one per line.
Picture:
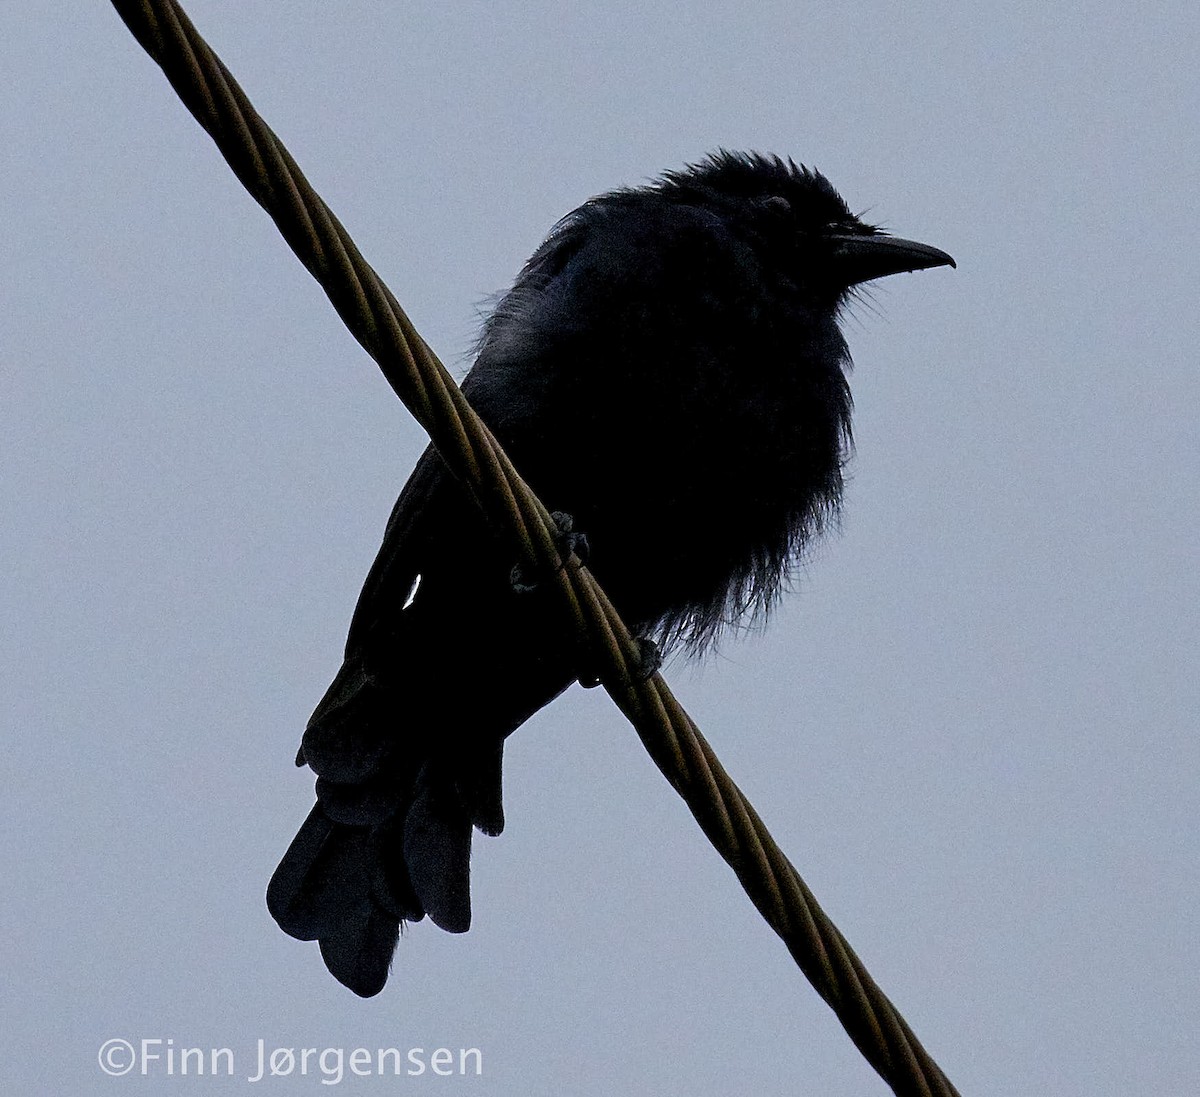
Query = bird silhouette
x=667 y=370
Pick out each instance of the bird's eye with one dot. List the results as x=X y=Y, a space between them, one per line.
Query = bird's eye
x=776 y=205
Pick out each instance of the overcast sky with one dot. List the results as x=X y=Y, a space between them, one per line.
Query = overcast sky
x=972 y=726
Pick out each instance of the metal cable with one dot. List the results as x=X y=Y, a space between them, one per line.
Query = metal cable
x=375 y=319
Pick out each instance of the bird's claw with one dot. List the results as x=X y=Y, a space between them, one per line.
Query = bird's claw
x=568 y=543
x=649 y=662
x=650 y=659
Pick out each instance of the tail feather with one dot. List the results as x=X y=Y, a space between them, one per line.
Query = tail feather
x=329 y=888
x=391 y=885
x=322 y=874
x=437 y=849
x=364 y=805
x=359 y=954
x=408 y=748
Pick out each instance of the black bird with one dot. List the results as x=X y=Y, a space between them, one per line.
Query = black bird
x=667 y=370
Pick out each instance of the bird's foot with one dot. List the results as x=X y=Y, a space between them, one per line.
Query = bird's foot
x=650 y=659
x=568 y=542
x=649 y=662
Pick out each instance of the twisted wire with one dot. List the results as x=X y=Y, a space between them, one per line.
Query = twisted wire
x=376 y=320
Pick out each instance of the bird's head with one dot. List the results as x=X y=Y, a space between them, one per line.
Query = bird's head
x=794 y=213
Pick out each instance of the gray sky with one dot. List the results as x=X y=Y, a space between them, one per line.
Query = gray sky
x=972 y=727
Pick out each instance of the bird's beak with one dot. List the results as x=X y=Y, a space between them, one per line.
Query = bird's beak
x=862 y=258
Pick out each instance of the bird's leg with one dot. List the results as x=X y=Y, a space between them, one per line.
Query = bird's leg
x=568 y=542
